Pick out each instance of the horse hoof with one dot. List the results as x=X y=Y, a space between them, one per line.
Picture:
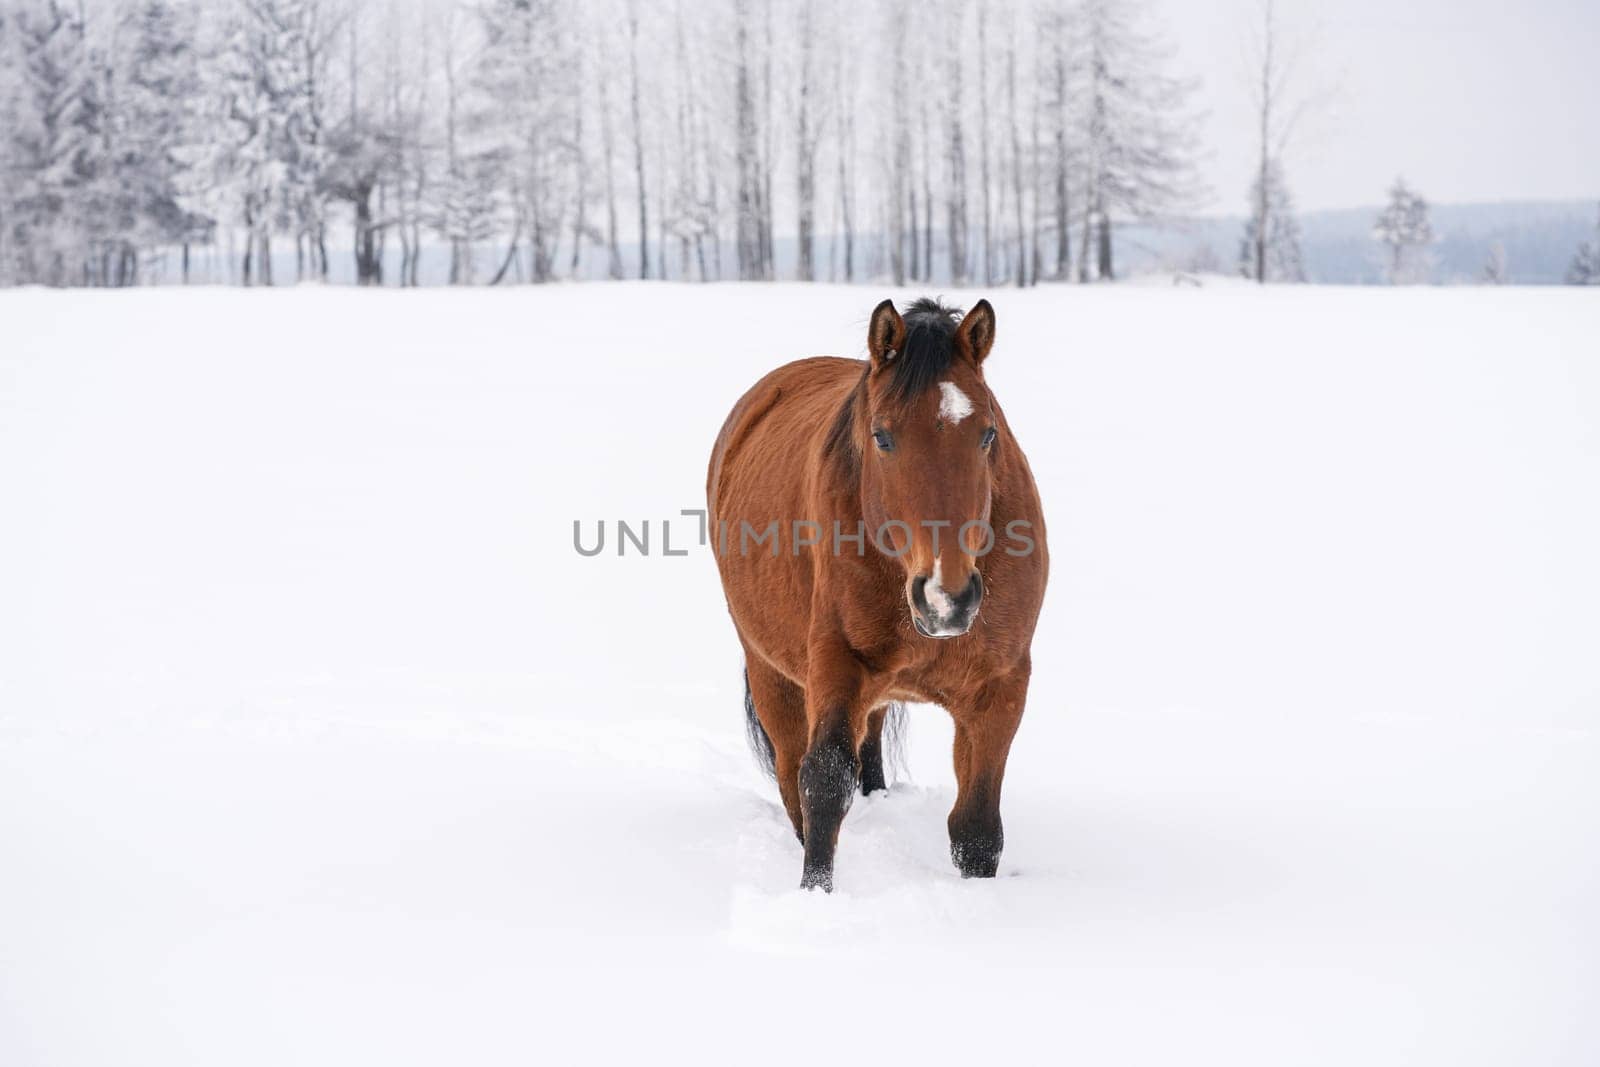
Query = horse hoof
x=822 y=880
x=975 y=861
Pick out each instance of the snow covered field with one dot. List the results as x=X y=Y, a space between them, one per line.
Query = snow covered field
x=319 y=743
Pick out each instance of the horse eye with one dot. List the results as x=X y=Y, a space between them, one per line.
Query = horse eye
x=988 y=438
x=884 y=440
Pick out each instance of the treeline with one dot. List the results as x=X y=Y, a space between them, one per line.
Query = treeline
x=972 y=141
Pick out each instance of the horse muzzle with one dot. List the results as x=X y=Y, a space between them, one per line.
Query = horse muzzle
x=938 y=613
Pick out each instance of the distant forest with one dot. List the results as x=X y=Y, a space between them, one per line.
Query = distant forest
x=408 y=142
x=1528 y=243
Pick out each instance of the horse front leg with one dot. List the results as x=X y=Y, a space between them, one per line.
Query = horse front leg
x=985 y=726
x=838 y=720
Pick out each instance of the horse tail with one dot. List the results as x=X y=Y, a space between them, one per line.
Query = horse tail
x=896 y=726
x=896 y=729
x=756 y=734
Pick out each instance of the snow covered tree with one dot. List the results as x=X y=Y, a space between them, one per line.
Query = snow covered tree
x=307 y=28
x=635 y=112
x=1585 y=269
x=248 y=151
x=608 y=149
x=525 y=75
x=843 y=52
x=693 y=96
x=1058 y=88
x=1404 y=230
x=953 y=122
x=1138 y=145
x=985 y=147
x=929 y=142
x=1270 y=249
x=751 y=86
x=361 y=154
x=155 y=113
x=1019 y=160
x=1495 y=271
x=11 y=174
x=806 y=133
x=463 y=208
x=378 y=152
x=900 y=200
x=57 y=146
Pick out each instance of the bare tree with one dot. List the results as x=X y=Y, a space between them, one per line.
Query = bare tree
x=1019 y=167
x=1280 y=102
x=843 y=78
x=638 y=138
x=955 y=153
x=984 y=163
x=806 y=131
x=1054 y=27
x=748 y=219
x=1270 y=249
x=608 y=158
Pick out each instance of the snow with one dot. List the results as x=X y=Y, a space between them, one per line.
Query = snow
x=320 y=743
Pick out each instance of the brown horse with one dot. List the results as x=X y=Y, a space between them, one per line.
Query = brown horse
x=881 y=540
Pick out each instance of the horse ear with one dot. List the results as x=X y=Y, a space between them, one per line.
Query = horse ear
x=977 y=329
x=885 y=335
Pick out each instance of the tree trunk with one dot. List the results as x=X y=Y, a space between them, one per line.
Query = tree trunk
x=368 y=269
x=1103 y=249
x=748 y=225
x=768 y=151
x=805 y=160
x=608 y=147
x=846 y=220
x=511 y=256
x=1063 y=270
x=956 y=157
x=983 y=141
x=1017 y=166
x=927 y=202
x=1262 y=203
x=638 y=139
x=1083 y=244
x=581 y=219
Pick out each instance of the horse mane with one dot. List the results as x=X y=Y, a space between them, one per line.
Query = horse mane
x=924 y=357
x=929 y=347
x=841 y=445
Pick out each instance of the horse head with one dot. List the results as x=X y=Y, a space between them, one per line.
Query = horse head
x=929 y=439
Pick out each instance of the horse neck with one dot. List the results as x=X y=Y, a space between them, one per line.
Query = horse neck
x=841 y=480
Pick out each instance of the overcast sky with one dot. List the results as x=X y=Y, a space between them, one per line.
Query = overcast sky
x=1471 y=100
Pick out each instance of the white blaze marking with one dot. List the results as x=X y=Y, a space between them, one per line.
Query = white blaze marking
x=933 y=592
x=953 y=403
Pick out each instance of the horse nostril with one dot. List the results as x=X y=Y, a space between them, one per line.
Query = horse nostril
x=972 y=595
x=919 y=599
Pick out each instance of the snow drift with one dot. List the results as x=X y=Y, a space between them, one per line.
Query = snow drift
x=320 y=743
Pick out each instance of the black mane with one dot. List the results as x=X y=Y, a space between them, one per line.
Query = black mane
x=929 y=347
